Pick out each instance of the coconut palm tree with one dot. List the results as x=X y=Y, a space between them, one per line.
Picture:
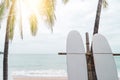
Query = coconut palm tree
x=90 y=60
x=47 y=10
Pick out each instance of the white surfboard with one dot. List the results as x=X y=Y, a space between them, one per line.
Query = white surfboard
x=103 y=58
x=76 y=59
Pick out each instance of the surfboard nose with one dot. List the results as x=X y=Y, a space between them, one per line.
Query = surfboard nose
x=103 y=58
x=101 y=42
x=74 y=41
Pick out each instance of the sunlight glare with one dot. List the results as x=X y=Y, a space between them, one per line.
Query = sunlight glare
x=33 y=4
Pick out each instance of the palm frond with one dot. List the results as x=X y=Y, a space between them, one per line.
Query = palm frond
x=105 y=4
x=11 y=20
x=33 y=24
x=48 y=10
x=21 y=27
x=7 y=3
x=65 y=1
x=2 y=8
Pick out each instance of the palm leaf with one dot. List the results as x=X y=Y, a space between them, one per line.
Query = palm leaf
x=2 y=8
x=21 y=30
x=21 y=27
x=48 y=8
x=7 y=3
x=33 y=24
x=105 y=4
x=11 y=20
x=65 y=1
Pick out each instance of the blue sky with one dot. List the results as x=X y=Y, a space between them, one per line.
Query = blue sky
x=76 y=15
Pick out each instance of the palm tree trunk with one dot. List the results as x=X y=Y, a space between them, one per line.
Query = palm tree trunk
x=5 y=57
x=6 y=44
x=97 y=20
x=90 y=59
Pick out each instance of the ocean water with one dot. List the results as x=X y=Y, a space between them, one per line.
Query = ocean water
x=35 y=65
x=39 y=65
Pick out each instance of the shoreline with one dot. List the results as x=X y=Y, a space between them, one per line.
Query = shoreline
x=39 y=75
x=38 y=78
x=41 y=78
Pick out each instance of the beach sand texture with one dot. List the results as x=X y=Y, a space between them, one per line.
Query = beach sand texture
x=39 y=78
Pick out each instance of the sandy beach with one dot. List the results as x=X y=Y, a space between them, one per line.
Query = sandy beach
x=39 y=78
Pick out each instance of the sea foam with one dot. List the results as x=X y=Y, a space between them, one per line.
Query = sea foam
x=41 y=73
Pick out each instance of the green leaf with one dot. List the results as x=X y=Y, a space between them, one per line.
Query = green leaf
x=33 y=24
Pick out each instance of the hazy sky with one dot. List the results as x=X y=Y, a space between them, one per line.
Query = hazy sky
x=76 y=15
